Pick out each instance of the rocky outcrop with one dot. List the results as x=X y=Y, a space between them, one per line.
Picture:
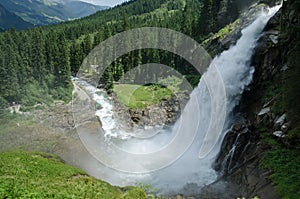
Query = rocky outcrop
x=164 y=113
x=244 y=146
x=228 y=35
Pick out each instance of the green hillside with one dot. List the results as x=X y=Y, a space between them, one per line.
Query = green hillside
x=39 y=175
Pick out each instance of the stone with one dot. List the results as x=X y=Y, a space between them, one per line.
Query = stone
x=272 y=32
x=274 y=39
x=279 y=134
x=237 y=127
x=264 y=111
x=280 y=121
x=284 y=68
x=284 y=127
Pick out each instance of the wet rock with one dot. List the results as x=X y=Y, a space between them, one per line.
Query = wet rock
x=274 y=39
x=284 y=68
x=279 y=134
x=264 y=111
x=284 y=127
x=234 y=146
x=280 y=121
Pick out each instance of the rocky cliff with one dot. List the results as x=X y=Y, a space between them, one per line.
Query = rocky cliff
x=262 y=124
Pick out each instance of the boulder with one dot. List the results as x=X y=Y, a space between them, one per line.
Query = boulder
x=279 y=134
x=280 y=121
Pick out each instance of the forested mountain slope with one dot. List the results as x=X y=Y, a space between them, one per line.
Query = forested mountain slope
x=46 y=12
x=35 y=64
x=8 y=20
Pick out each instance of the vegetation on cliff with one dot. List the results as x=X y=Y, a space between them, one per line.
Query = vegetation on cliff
x=283 y=89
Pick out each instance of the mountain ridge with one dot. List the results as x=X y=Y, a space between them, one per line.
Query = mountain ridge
x=8 y=20
x=45 y=12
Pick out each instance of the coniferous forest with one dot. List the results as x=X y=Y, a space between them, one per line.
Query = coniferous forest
x=258 y=152
x=36 y=64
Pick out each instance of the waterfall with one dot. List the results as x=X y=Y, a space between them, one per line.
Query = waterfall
x=192 y=168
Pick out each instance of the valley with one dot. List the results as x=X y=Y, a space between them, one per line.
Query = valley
x=160 y=99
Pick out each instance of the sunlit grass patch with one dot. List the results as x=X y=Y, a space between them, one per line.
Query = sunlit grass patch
x=39 y=175
x=136 y=96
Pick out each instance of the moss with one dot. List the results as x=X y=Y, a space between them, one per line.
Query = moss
x=227 y=30
x=293 y=136
x=266 y=136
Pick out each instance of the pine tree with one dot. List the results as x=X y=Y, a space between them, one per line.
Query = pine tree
x=206 y=17
x=51 y=51
x=187 y=20
x=87 y=45
x=38 y=55
x=62 y=69
x=76 y=57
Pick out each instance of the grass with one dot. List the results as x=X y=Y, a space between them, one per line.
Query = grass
x=136 y=96
x=8 y=121
x=222 y=33
x=39 y=175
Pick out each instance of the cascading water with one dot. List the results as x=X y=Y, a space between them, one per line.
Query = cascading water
x=233 y=66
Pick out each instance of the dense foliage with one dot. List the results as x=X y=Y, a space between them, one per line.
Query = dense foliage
x=35 y=65
x=285 y=166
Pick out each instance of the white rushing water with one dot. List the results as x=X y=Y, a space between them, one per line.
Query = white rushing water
x=234 y=67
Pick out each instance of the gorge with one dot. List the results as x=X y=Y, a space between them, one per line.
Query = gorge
x=194 y=167
x=236 y=135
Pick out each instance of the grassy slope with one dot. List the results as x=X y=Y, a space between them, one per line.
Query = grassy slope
x=38 y=175
x=136 y=96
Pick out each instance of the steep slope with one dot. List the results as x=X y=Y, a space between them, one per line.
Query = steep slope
x=8 y=20
x=81 y=9
x=261 y=150
x=40 y=175
x=42 y=12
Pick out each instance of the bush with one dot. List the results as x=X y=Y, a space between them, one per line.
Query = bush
x=285 y=164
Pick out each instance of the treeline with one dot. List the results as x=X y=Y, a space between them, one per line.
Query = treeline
x=192 y=17
x=36 y=64
x=34 y=67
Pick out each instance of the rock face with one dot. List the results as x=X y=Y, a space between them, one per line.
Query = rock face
x=228 y=36
x=243 y=147
x=164 y=113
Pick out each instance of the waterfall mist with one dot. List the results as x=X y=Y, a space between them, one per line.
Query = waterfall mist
x=194 y=167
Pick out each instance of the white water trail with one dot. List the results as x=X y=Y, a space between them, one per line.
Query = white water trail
x=234 y=67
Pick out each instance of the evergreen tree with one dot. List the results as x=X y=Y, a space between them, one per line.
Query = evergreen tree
x=206 y=17
x=76 y=57
x=38 y=55
x=62 y=70
x=87 y=45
